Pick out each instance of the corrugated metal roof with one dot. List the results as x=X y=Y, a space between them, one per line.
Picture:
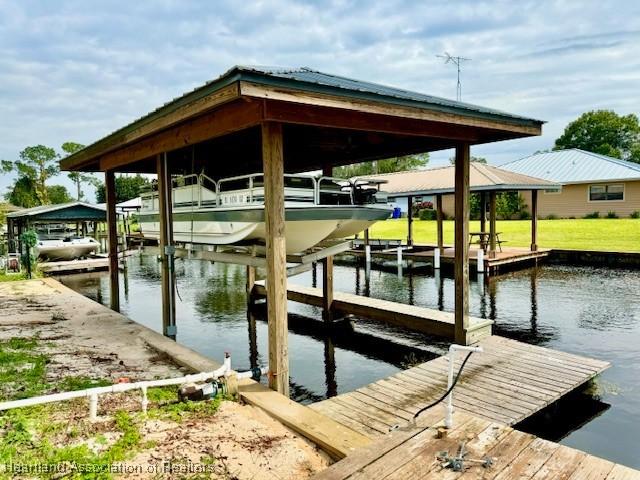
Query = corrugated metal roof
x=574 y=166
x=41 y=209
x=310 y=76
x=442 y=180
x=306 y=79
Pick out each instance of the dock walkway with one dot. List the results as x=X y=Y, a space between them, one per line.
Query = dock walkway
x=508 y=258
x=420 y=319
x=412 y=453
x=507 y=383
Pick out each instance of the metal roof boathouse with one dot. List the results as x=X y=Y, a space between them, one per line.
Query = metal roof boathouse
x=278 y=121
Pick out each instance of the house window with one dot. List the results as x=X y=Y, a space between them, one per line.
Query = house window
x=552 y=192
x=606 y=193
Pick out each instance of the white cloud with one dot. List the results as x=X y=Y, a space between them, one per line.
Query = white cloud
x=75 y=70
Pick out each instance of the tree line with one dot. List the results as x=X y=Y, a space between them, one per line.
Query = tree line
x=37 y=165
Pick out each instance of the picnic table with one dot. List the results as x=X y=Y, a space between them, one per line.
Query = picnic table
x=484 y=239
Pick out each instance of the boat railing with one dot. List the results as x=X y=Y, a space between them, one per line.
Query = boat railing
x=202 y=191
x=249 y=189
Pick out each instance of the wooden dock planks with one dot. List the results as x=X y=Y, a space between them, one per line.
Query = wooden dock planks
x=411 y=453
x=420 y=319
x=507 y=383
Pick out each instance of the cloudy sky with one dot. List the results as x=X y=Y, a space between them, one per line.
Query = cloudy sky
x=77 y=70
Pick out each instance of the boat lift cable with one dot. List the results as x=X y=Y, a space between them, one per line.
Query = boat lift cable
x=445 y=394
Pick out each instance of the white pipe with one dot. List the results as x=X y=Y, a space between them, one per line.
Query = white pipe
x=249 y=373
x=399 y=256
x=93 y=393
x=480 y=261
x=93 y=407
x=453 y=348
x=436 y=259
x=367 y=254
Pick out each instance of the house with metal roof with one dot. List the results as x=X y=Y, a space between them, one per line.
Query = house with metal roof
x=590 y=183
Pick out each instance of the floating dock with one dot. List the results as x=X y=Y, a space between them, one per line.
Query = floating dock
x=507 y=383
x=420 y=319
x=412 y=453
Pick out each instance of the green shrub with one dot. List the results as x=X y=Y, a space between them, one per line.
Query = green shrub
x=28 y=258
x=551 y=216
x=509 y=204
x=525 y=215
x=592 y=215
x=612 y=214
x=635 y=214
x=427 y=214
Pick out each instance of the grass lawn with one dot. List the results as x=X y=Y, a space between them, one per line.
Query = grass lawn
x=620 y=235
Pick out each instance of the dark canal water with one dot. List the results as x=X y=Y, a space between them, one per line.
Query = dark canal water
x=588 y=311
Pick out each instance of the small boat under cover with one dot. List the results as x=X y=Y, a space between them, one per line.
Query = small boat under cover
x=68 y=248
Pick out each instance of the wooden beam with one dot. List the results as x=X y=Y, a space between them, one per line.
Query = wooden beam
x=410 y=220
x=273 y=167
x=461 y=263
x=251 y=280
x=167 y=252
x=327 y=288
x=179 y=114
x=384 y=108
x=439 y=219
x=229 y=118
x=112 y=233
x=534 y=220
x=492 y=224
x=323 y=116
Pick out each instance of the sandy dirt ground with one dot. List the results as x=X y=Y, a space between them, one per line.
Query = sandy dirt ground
x=83 y=338
x=239 y=441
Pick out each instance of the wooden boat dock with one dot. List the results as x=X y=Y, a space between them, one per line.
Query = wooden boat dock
x=420 y=319
x=74 y=266
x=508 y=259
x=412 y=453
x=505 y=384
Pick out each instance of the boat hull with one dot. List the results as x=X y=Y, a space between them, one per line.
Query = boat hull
x=305 y=226
x=53 y=250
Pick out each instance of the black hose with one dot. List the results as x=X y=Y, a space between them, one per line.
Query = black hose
x=445 y=394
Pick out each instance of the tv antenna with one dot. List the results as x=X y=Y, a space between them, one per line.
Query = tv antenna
x=457 y=61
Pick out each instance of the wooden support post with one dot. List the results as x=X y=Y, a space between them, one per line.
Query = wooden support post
x=327 y=288
x=273 y=168
x=410 y=220
x=10 y=236
x=461 y=261
x=112 y=235
x=251 y=281
x=534 y=220
x=439 y=219
x=492 y=224
x=366 y=237
x=166 y=247
x=483 y=211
